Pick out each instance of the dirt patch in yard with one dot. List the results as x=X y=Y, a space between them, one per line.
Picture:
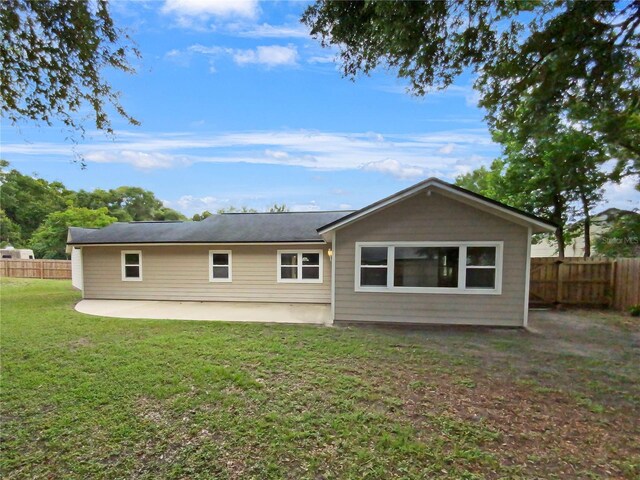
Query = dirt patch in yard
x=562 y=400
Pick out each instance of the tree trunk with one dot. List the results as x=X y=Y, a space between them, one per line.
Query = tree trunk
x=557 y=218
x=587 y=225
x=560 y=241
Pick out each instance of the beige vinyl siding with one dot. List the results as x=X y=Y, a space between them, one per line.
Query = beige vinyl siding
x=432 y=218
x=181 y=273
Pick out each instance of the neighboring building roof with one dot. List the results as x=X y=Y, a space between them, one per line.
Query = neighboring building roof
x=538 y=224
x=285 y=227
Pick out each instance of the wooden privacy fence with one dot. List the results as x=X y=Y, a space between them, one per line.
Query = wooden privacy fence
x=49 y=269
x=588 y=282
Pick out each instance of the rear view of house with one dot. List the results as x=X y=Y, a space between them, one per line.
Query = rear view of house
x=431 y=254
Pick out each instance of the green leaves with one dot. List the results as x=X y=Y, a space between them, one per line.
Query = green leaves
x=50 y=239
x=54 y=54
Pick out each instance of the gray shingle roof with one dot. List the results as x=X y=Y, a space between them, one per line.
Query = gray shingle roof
x=223 y=228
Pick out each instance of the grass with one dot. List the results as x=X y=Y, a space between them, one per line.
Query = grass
x=114 y=398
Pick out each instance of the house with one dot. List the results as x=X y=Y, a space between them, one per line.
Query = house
x=433 y=253
x=600 y=223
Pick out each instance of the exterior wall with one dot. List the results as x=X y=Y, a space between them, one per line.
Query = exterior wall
x=76 y=268
x=432 y=218
x=182 y=273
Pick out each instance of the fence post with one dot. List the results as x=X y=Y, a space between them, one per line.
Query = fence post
x=559 y=263
x=612 y=285
x=41 y=269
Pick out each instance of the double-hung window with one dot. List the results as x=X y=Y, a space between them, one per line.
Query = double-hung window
x=219 y=265
x=302 y=266
x=131 y=265
x=429 y=267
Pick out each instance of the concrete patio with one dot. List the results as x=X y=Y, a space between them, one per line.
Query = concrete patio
x=304 y=313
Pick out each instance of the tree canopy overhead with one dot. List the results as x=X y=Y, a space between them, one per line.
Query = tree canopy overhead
x=53 y=54
x=567 y=59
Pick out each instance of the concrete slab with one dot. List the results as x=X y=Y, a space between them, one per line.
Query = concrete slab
x=305 y=313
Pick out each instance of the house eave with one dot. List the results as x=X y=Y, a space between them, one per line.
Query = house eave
x=118 y=244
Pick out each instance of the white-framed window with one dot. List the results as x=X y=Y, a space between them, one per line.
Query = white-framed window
x=429 y=267
x=300 y=266
x=131 y=265
x=219 y=265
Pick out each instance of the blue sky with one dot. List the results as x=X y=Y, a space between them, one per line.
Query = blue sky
x=240 y=106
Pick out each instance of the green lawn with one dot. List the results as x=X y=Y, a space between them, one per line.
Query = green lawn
x=108 y=398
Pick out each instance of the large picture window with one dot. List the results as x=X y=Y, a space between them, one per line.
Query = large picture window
x=429 y=267
x=131 y=265
x=220 y=265
x=303 y=266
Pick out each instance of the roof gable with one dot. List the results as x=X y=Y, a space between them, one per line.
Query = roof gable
x=538 y=225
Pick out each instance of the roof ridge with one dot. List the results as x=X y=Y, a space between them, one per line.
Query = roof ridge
x=278 y=213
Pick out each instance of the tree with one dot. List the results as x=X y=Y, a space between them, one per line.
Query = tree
x=27 y=200
x=201 y=216
x=232 y=209
x=9 y=231
x=278 y=208
x=169 y=215
x=558 y=177
x=54 y=54
x=622 y=239
x=573 y=60
x=128 y=204
x=486 y=181
x=50 y=240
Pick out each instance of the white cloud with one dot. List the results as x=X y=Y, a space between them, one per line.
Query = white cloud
x=276 y=154
x=211 y=8
x=447 y=149
x=274 y=31
x=140 y=160
x=267 y=55
x=471 y=96
x=312 y=206
x=345 y=206
x=270 y=56
x=189 y=205
x=204 y=50
x=402 y=155
x=322 y=59
x=395 y=168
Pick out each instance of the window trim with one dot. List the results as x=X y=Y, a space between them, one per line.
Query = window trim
x=229 y=265
x=123 y=264
x=299 y=265
x=462 y=268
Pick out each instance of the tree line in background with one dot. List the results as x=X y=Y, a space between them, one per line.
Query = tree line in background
x=36 y=214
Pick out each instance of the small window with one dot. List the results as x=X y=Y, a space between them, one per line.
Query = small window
x=481 y=267
x=132 y=265
x=7 y=256
x=220 y=265
x=373 y=261
x=301 y=266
